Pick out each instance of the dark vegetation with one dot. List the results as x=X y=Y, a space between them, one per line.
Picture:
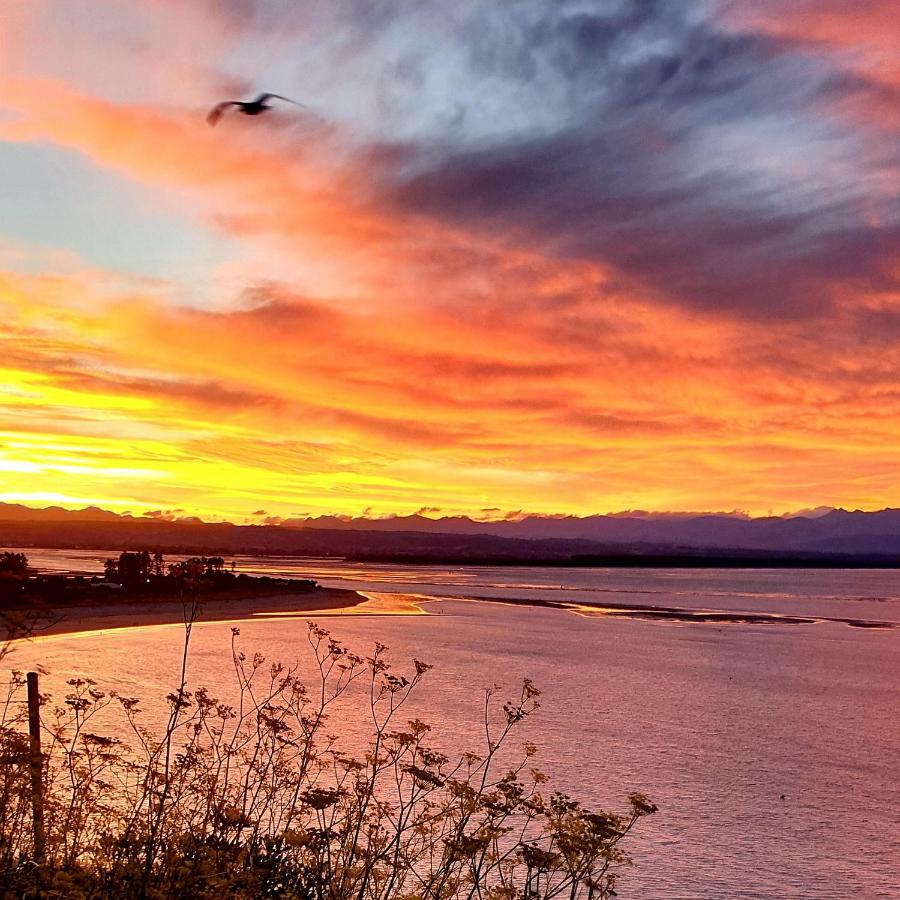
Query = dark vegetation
x=13 y=565
x=254 y=795
x=132 y=575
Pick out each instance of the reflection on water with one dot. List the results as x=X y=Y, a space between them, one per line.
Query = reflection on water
x=375 y=605
x=715 y=722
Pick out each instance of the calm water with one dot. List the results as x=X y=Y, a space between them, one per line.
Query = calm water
x=713 y=721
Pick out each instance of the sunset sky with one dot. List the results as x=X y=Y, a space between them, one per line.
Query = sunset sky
x=560 y=256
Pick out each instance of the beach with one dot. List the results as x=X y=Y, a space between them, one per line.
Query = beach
x=109 y=615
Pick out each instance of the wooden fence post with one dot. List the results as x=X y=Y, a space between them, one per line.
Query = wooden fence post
x=37 y=765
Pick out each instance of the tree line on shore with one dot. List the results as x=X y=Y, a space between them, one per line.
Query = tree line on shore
x=131 y=574
x=138 y=566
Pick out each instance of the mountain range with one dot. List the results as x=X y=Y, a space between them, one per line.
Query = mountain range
x=637 y=536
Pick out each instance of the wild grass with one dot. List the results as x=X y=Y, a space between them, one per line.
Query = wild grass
x=257 y=798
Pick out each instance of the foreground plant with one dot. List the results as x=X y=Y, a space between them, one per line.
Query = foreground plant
x=258 y=799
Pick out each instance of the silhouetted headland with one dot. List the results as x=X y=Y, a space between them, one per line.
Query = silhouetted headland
x=139 y=588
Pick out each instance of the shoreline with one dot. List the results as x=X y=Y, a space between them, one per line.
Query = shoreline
x=110 y=616
x=326 y=602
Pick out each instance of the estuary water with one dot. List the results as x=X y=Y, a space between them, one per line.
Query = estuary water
x=755 y=684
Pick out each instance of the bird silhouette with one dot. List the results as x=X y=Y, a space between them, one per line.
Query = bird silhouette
x=247 y=107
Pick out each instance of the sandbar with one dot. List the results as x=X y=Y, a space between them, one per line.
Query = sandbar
x=110 y=614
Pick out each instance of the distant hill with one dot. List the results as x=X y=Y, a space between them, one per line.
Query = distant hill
x=15 y=512
x=838 y=534
x=823 y=531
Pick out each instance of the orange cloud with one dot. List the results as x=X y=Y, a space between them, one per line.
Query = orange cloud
x=866 y=32
x=319 y=409
x=864 y=37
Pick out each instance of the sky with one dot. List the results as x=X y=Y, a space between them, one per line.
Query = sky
x=553 y=256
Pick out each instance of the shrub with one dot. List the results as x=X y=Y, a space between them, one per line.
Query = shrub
x=257 y=799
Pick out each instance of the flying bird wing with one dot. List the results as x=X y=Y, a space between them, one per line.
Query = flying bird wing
x=218 y=111
x=263 y=97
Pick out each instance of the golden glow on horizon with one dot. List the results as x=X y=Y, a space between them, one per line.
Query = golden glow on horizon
x=348 y=414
